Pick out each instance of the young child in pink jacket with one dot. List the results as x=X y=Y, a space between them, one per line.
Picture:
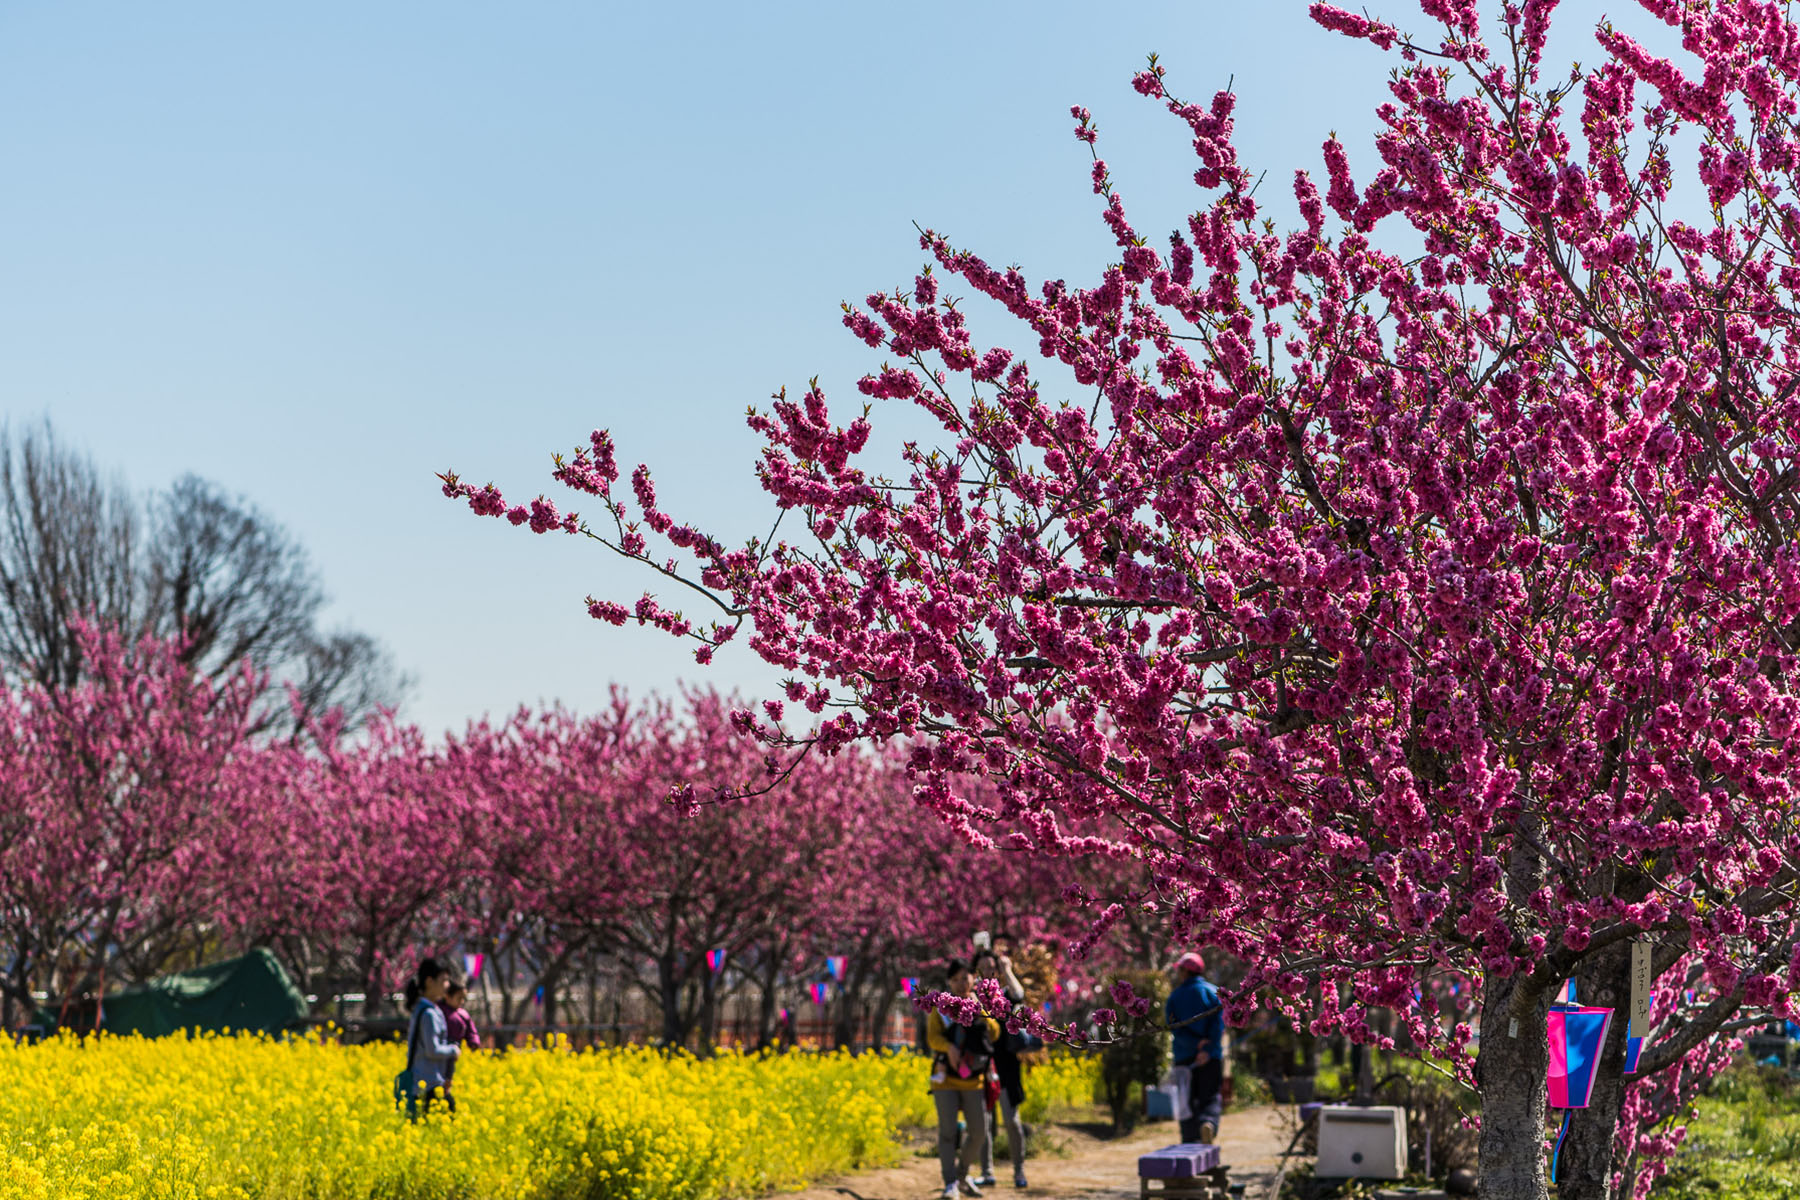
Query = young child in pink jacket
x=460 y=1030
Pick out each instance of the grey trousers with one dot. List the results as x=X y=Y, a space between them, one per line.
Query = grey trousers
x=1015 y=1136
x=973 y=1107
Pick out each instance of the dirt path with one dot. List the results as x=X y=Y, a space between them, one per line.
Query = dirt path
x=1084 y=1163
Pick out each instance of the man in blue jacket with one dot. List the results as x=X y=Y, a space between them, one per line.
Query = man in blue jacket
x=1197 y=1023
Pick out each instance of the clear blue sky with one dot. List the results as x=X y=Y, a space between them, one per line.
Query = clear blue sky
x=320 y=251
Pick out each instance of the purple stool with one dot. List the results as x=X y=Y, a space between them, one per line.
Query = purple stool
x=1190 y=1169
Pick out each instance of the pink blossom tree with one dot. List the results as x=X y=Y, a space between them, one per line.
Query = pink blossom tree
x=533 y=887
x=584 y=853
x=1406 y=612
x=112 y=793
x=149 y=819
x=910 y=894
x=683 y=885
x=358 y=846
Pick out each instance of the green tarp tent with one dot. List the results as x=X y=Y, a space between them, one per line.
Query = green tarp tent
x=251 y=993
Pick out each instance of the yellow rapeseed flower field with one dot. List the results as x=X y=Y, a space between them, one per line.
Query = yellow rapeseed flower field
x=308 y=1119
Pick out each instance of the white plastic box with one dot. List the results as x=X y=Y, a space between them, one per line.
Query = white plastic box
x=1361 y=1143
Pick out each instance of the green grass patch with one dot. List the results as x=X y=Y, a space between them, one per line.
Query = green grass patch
x=1744 y=1141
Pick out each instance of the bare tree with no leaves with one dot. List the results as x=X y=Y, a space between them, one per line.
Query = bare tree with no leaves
x=71 y=546
x=191 y=561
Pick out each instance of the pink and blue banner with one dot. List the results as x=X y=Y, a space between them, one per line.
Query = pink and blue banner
x=715 y=958
x=1577 y=1036
x=1577 y=1039
x=820 y=991
x=909 y=985
x=834 y=966
x=472 y=966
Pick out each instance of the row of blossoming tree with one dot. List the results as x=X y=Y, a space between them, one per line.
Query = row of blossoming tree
x=148 y=820
x=1418 y=606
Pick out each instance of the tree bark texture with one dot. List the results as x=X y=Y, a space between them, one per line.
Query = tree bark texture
x=1512 y=1070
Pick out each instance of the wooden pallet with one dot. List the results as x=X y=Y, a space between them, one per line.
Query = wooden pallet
x=1213 y=1185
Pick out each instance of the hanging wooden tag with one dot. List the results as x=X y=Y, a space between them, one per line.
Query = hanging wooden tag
x=1640 y=989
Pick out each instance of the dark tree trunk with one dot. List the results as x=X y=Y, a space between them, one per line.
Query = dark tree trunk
x=374 y=1002
x=844 y=1027
x=880 y=1007
x=18 y=989
x=1511 y=1071
x=765 y=1010
x=1513 y=1065
x=551 y=982
x=709 y=1012
x=593 y=999
x=669 y=987
x=508 y=1006
x=1363 y=1057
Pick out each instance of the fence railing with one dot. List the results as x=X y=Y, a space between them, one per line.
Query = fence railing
x=814 y=1034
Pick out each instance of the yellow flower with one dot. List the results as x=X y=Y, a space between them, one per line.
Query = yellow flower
x=240 y=1116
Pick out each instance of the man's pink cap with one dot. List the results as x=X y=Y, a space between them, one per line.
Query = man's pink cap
x=1191 y=962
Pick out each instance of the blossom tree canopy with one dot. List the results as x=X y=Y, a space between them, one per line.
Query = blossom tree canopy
x=1407 y=612
x=113 y=797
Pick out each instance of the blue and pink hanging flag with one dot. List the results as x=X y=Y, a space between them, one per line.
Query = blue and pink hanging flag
x=834 y=966
x=538 y=997
x=1577 y=1037
x=909 y=985
x=715 y=958
x=472 y=966
x=819 y=992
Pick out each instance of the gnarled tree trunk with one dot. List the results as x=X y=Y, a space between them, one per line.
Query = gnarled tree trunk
x=1512 y=1070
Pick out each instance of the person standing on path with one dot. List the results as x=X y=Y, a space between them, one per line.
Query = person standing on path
x=1197 y=1025
x=959 y=1066
x=996 y=965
